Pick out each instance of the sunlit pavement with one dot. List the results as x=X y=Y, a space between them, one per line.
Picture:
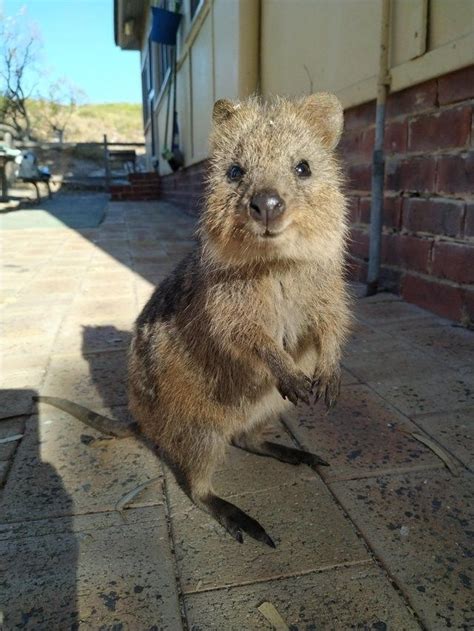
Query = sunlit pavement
x=378 y=540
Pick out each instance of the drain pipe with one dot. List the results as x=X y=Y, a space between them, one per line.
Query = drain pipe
x=378 y=159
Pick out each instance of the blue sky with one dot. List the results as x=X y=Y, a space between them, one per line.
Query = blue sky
x=78 y=42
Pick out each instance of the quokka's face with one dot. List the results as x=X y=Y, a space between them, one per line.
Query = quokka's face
x=274 y=183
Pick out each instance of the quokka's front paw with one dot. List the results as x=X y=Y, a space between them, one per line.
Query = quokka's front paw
x=295 y=387
x=329 y=387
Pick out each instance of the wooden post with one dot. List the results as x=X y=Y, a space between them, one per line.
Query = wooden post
x=107 y=164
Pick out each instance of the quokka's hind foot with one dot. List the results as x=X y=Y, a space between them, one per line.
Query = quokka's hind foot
x=292 y=455
x=235 y=521
x=254 y=443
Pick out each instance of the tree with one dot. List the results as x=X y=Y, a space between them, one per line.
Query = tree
x=60 y=104
x=18 y=52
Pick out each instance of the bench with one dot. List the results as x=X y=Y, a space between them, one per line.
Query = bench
x=30 y=173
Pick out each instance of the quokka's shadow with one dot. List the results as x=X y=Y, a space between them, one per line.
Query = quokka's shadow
x=39 y=548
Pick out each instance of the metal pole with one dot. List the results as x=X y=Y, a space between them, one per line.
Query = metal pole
x=378 y=160
x=107 y=164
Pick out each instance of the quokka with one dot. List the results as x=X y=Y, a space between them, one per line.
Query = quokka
x=256 y=316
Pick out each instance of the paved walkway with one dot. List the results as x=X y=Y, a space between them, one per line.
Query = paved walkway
x=380 y=540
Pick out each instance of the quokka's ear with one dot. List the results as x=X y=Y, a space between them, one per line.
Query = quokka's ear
x=223 y=110
x=324 y=112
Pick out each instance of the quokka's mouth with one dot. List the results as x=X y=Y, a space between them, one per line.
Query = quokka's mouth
x=269 y=234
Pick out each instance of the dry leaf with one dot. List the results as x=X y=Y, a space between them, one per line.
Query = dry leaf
x=10 y=439
x=128 y=497
x=271 y=614
x=451 y=464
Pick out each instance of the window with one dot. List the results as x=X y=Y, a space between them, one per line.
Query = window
x=162 y=57
x=146 y=89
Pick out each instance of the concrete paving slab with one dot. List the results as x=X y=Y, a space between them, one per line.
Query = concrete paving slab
x=74 y=337
x=425 y=394
x=359 y=597
x=309 y=529
x=454 y=430
x=16 y=401
x=242 y=472
x=381 y=365
x=361 y=436
x=28 y=330
x=452 y=345
x=9 y=428
x=85 y=309
x=55 y=473
x=98 y=574
x=95 y=380
x=421 y=527
x=384 y=313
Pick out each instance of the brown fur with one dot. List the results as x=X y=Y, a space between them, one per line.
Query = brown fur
x=247 y=319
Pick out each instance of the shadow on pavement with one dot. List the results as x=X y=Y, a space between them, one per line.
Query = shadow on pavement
x=38 y=545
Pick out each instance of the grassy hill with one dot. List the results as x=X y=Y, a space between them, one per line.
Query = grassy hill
x=122 y=122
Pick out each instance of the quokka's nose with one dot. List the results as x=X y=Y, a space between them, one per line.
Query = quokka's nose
x=266 y=206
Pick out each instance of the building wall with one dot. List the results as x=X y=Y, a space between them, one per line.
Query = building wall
x=234 y=47
x=311 y=45
x=428 y=234
x=217 y=55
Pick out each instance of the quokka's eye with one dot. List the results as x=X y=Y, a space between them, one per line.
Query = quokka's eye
x=235 y=173
x=302 y=169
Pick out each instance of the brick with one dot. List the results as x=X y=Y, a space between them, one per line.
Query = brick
x=406 y=251
x=439 y=217
x=395 y=138
x=391 y=211
x=360 y=116
x=455 y=174
x=360 y=177
x=359 y=243
x=440 y=130
x=356 y=269
x=468 y=308
x=357 y=143
x=440 y=298
x=416 y=174
x=454 y=261
x=469 y=221
x=414 y=99
x=456 y=86
x=353 y=209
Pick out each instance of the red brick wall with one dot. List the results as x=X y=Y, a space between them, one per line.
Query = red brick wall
x=185 y=188
x=428 y=235
x=428 y=240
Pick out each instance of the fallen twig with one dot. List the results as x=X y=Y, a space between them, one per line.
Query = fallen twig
x=271 y=614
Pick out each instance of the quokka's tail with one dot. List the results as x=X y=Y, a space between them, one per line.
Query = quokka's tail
x=101 y=423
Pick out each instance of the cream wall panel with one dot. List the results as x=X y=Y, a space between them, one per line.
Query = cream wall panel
x=225 y=15
x=236 y=47
x=450 y=20
x=318 y=44
x=249 y=47
x=202 y=89
x=408 y=30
